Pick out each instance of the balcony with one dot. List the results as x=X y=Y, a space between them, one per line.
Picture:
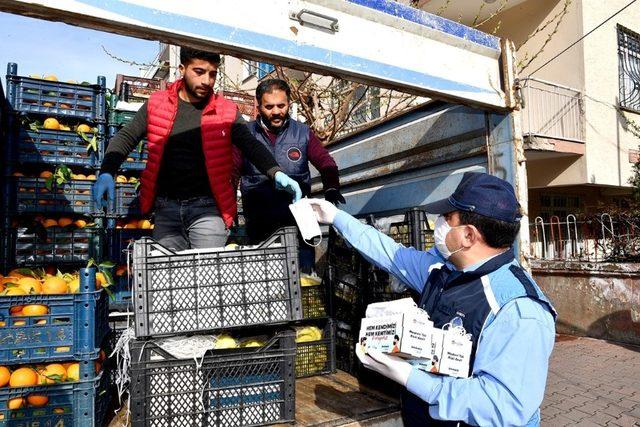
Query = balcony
x=552 y=119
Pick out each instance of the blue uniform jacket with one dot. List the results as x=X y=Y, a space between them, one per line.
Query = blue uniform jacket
x=511 y=361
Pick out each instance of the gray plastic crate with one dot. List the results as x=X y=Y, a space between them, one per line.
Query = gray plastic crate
x=234 y=387
x=177 y=293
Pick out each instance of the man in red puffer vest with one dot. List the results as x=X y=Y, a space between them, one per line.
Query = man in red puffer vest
x=187 y=181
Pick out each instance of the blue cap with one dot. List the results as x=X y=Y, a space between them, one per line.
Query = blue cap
x=483 y=194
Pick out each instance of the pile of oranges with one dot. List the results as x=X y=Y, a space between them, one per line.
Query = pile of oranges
x=141 y=224
x=16 y=283
x=38 y=375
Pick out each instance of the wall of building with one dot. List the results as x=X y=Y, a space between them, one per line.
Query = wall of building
x=608 y=140
x=595 y=300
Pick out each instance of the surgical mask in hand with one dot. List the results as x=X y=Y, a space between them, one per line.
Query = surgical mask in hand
x=441 y=229
x=306 y=220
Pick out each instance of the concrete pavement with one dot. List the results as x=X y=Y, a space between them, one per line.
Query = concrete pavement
x=592 y=383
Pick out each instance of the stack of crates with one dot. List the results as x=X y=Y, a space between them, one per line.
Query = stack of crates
x=51 y=127
x=248 y=298
x=355 y=283
x=51 y=354
x=126 y=222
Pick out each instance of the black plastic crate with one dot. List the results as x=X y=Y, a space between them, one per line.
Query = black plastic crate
x=346 y=339
x=54 y=245
x=30 y=95
x=412 y=231
x=317 y=357
x=29 y=195
x=120 y=243
x=137 y=89
x=379 y=288
x=347 y=293
x=177 y=293
x=314 y=301
x=54 y=147
x=137 y=159
x=235 y=387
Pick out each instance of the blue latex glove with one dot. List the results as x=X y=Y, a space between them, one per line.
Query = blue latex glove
x=104 y=184
x=283 y=182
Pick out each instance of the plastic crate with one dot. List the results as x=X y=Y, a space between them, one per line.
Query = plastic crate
x=239 y=387
x=121 y=243
x=54 y=147
x=120 y=118
x=75 y=326
x=137 y=89
x=81 y=403
x=317 y=357
x=121 y=298
x=413 y=230
x=347 y=293
x=29 y=95
x=176 y=293
x=346 y=338
x=137 y=159
x=314 y=301
x=54 y=245
x=379 y=288
x=30 y=195
x=127 y=202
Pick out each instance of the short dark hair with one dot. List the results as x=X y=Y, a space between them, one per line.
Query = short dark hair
x=269 y=85
x=497 y=234
x=187 y=54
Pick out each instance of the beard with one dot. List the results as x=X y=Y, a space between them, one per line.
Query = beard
x=198 y=91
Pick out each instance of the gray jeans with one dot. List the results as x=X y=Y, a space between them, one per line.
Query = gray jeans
x=188 y=224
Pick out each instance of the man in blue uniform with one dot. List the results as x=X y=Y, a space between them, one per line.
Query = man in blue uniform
x=472 y=274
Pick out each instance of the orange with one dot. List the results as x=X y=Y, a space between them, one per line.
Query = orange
x=74 y=286
x=17 y=174
x=16 y=310
x=35 y=310
x=30 y=285
x=15 y=273
x=63 y=222
x=46 y=174
x=121 y=179
x=51 y=77
x=16 y=403
x=101 y=281
x=102 y=356
x=8 y=279
x=91 y=177
x=41 y=322
x=5 y=374
x=73 y=372
x=19 y=322
x=23 y=377
x=51 y=124
x=49 y=222
x=80 y=223
x=53 y=373
x=98 y=367
x=84 y=128
x=54 y=285
x=37 y=400
x=144 y=224
x=13 y=291
x=79 y=177
x=121 y=270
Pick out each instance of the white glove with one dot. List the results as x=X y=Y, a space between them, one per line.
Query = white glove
x=391 y=367
x=325 y=211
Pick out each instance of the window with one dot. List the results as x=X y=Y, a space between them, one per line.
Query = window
x=559 y=205
x=629 y=68
x=264 y=69
x=250 y=69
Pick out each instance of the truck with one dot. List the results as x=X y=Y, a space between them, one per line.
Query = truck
x=471 y=122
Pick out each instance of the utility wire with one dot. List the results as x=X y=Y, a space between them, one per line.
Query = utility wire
x=581 y=38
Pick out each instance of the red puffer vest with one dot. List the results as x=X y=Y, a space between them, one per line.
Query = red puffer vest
x=217 y=118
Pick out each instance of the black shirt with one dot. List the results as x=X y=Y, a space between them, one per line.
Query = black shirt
x=183 y=173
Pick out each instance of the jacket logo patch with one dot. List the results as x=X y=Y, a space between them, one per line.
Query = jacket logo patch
x=294 y=154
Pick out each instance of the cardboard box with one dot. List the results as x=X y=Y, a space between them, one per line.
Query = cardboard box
x=406 y=334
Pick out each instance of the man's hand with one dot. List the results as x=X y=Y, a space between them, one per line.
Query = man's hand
x=333 y=195
x=283 y=182
x=324 y=210
x=104 y=184
x=391 y=367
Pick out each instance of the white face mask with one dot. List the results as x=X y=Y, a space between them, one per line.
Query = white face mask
x=441 y=229
x=307 y=222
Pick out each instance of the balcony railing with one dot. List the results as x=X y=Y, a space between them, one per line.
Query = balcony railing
x=552 y=111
